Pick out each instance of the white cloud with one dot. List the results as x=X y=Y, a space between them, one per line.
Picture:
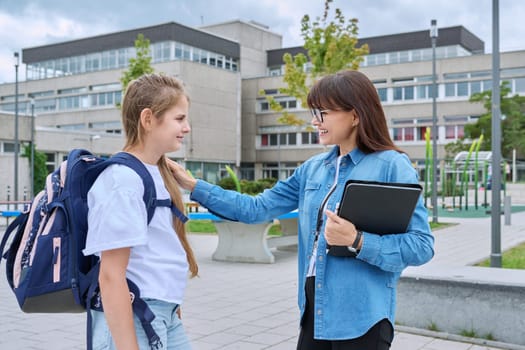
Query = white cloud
x=30 y=23
x=35 y=27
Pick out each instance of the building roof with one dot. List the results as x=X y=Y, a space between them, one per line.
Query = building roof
x=158 y=33
x=457 y=35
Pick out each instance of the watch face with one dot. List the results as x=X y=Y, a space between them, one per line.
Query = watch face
x=351 y=249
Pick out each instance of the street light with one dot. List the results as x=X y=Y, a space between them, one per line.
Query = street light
x=433 y=36
x=17 y=62
x=495 y=210
x=32 y=146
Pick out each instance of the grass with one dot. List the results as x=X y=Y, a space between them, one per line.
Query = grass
x=433 y=327
x=489 y=336
x=207 y=226
x=469 y=333
x=513 y=258
x=473 y=334
x=201 y=226
x=438 y=225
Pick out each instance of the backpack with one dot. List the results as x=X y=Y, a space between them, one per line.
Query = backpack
x=45 y=266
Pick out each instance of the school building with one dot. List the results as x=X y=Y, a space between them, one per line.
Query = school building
x=73 y=88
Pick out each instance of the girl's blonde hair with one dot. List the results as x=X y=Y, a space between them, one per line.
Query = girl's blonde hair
x=158 y=93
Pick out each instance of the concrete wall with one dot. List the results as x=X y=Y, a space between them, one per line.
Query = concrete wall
x=456 y=299
x=254 y=40
x=7 y=162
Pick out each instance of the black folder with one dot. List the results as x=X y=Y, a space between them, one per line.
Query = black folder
x=379 y=207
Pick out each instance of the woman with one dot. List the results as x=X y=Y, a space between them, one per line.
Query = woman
x=345 y=302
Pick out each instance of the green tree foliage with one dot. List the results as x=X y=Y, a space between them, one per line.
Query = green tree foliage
x=453 y=148
x=248 y=187
x=139 y=65
x=512 y=123
x=331 y=47
x=40 y=167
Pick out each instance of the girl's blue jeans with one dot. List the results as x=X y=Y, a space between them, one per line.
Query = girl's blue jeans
x=166 y=323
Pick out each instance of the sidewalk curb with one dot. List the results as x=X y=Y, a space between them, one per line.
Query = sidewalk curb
x=458 y=338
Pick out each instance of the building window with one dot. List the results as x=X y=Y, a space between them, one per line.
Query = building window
x=398 y=93
x=475 y=87
x=282 y=139
x=421 y=131
x=463 y=89
x=309 y=138
x=382 y=92
x=9 y=147
x=50 y=162
x=450 y=89
x=460 y=131
x=519 y=85
x=424 y=92
x=450 y=132
x=409 y=134
x=264 y=140
x=398 y=134
x=403 y=93
x=274 y=140
x=454 y=132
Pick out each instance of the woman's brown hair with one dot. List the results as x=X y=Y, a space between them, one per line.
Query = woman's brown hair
x=158 y=93
x=351 y=90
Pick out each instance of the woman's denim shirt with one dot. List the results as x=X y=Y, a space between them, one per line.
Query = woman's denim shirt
x=351 y=294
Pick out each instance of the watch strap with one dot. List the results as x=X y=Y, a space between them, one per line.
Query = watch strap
x=357 y=239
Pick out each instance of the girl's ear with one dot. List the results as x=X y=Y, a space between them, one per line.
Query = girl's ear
x=146 y=119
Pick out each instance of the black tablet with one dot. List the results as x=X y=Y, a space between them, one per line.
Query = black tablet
x=379 y=207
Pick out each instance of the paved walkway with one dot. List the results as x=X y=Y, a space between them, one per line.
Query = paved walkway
x=253 y=306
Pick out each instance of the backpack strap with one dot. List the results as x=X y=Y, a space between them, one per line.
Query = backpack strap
x=20 y=220
x=139 y=306
x=150 y=195
x=174 y=210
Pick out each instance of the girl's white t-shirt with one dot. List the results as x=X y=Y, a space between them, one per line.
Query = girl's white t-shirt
x=117 y=218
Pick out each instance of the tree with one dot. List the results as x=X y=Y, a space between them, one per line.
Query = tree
x=139 y=65
x=512 y=123
x=453 y=148
x=40 y=167
x=331 y=47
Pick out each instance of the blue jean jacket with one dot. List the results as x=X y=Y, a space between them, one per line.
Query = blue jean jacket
x=351 y=294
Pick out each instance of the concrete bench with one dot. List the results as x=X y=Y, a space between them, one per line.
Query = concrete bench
x=464 y=298
x=239 y=242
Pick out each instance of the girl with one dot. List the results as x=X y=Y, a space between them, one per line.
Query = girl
x=156 y=257
x=346 y=302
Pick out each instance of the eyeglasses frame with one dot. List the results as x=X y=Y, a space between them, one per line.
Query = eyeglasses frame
x=318 y=114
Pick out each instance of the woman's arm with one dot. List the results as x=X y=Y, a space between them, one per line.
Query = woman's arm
x=116 y=299
x=232 y=205
x=397 y=251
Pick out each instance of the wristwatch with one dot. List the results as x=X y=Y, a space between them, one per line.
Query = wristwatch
x=353 y=247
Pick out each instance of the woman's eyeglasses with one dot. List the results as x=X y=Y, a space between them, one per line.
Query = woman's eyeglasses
x=318 y=114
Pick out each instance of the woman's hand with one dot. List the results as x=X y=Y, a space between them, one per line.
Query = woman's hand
x=339 y=231
x=184 y=179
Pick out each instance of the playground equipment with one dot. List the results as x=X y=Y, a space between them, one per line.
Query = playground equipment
x=467 y=173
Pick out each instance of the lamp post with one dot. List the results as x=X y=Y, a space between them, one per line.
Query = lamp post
x=495 y=210
x=32 y=147
x=433 y=36
x=17 y=62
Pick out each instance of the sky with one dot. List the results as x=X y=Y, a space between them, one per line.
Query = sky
x=32 y=23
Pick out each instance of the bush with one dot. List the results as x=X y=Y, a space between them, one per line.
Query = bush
x=227 y=183
x=248 y=187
